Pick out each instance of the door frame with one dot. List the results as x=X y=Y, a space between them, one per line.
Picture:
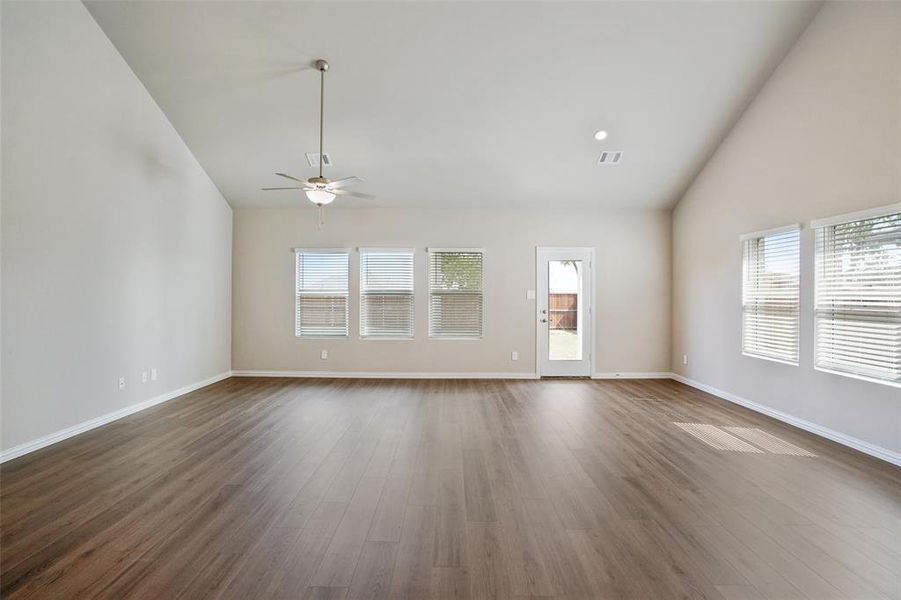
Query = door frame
x=591 y=312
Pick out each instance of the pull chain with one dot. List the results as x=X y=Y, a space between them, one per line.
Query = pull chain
x=321 y=217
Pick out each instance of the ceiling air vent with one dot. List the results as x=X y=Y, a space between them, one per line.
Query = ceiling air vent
x=608 y=157
x=313 y=159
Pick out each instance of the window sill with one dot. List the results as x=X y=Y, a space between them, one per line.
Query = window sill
x=441 y=338
x=895 y=384
x=322 y=337
x=373 y=338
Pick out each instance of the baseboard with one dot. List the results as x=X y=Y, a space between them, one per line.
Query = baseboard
x=433 y=375
x=58 y=436
x=382 y=375
x=638 y=375
x=830 y=434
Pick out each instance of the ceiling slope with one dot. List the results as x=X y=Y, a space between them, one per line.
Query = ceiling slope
x=441 y=104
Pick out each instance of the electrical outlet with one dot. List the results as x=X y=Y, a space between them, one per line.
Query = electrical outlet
x=154 y=374
x=514 y=355
x=323 y=355
x=684 y=359
x=121 y=383
x=144 y=377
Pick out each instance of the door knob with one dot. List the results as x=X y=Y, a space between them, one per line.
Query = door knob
x=544 y=320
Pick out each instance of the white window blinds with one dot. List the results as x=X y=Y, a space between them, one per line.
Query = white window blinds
x=771 y=295
x=321 y=293
x=386 y=293
x=858 y=297
x=455 y=293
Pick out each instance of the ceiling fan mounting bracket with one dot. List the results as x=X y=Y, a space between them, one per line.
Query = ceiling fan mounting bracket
x=321 y=64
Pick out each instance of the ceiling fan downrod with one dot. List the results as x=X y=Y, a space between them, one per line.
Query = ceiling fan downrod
x=322 y=66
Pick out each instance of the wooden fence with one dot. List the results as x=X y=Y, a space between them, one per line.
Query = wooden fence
x=563 y=311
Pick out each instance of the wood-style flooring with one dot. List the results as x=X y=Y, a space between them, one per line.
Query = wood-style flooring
x=291 y=488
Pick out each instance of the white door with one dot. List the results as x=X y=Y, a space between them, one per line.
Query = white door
x=564 y=311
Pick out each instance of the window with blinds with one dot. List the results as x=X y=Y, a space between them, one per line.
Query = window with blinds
x=321 y=293
x=386 y=293
x=858 y=296
x=771 y=295
x=455 y=293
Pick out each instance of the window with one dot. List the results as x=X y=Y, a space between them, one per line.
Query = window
x=386 y=293
x=455 y=293
x=321 y=293
x=858 y=295
x=771 y=294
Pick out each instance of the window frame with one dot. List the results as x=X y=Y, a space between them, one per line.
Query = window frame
x=346 y=335
x=842 y=219
x=481 y=292
x=759 y=235
x=412 y=294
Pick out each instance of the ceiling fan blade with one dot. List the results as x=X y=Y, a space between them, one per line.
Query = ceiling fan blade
x=340 y=183
x=282 y=188
x=303 y=181
x=353 y=194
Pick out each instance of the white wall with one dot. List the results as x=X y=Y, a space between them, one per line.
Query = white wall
x=822 y=138
x=632 y=297
x=116 y=246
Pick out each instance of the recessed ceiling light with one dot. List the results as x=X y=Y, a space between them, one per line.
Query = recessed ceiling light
x=600 y=135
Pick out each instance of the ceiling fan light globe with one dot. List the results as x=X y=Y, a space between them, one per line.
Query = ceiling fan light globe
x=320 y=197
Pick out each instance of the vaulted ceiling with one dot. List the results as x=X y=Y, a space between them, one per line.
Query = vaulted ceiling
x=456 y=104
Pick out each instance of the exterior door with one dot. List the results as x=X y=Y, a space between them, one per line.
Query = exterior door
x=563 y=302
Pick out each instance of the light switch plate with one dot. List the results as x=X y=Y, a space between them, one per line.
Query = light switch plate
x=323 y=355
x=530 y=294
x=514 y=355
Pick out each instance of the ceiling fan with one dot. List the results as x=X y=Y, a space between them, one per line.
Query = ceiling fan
x=320 y=190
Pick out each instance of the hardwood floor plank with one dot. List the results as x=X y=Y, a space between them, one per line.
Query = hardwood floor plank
x=477 y=489
x=875 y=574
x=336 y=569
x=489 y=574
x=739 y=592
x=306 y=553
x=450 y=523
x=388 y=519
x=766 y=579
x=325 y=593
x=413 y=568
x=556 y=550
x=529 y=574
x=451 y=583
x=372 y=576
x=612 y=561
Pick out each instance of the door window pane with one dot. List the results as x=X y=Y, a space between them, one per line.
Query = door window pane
x=564 y=319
